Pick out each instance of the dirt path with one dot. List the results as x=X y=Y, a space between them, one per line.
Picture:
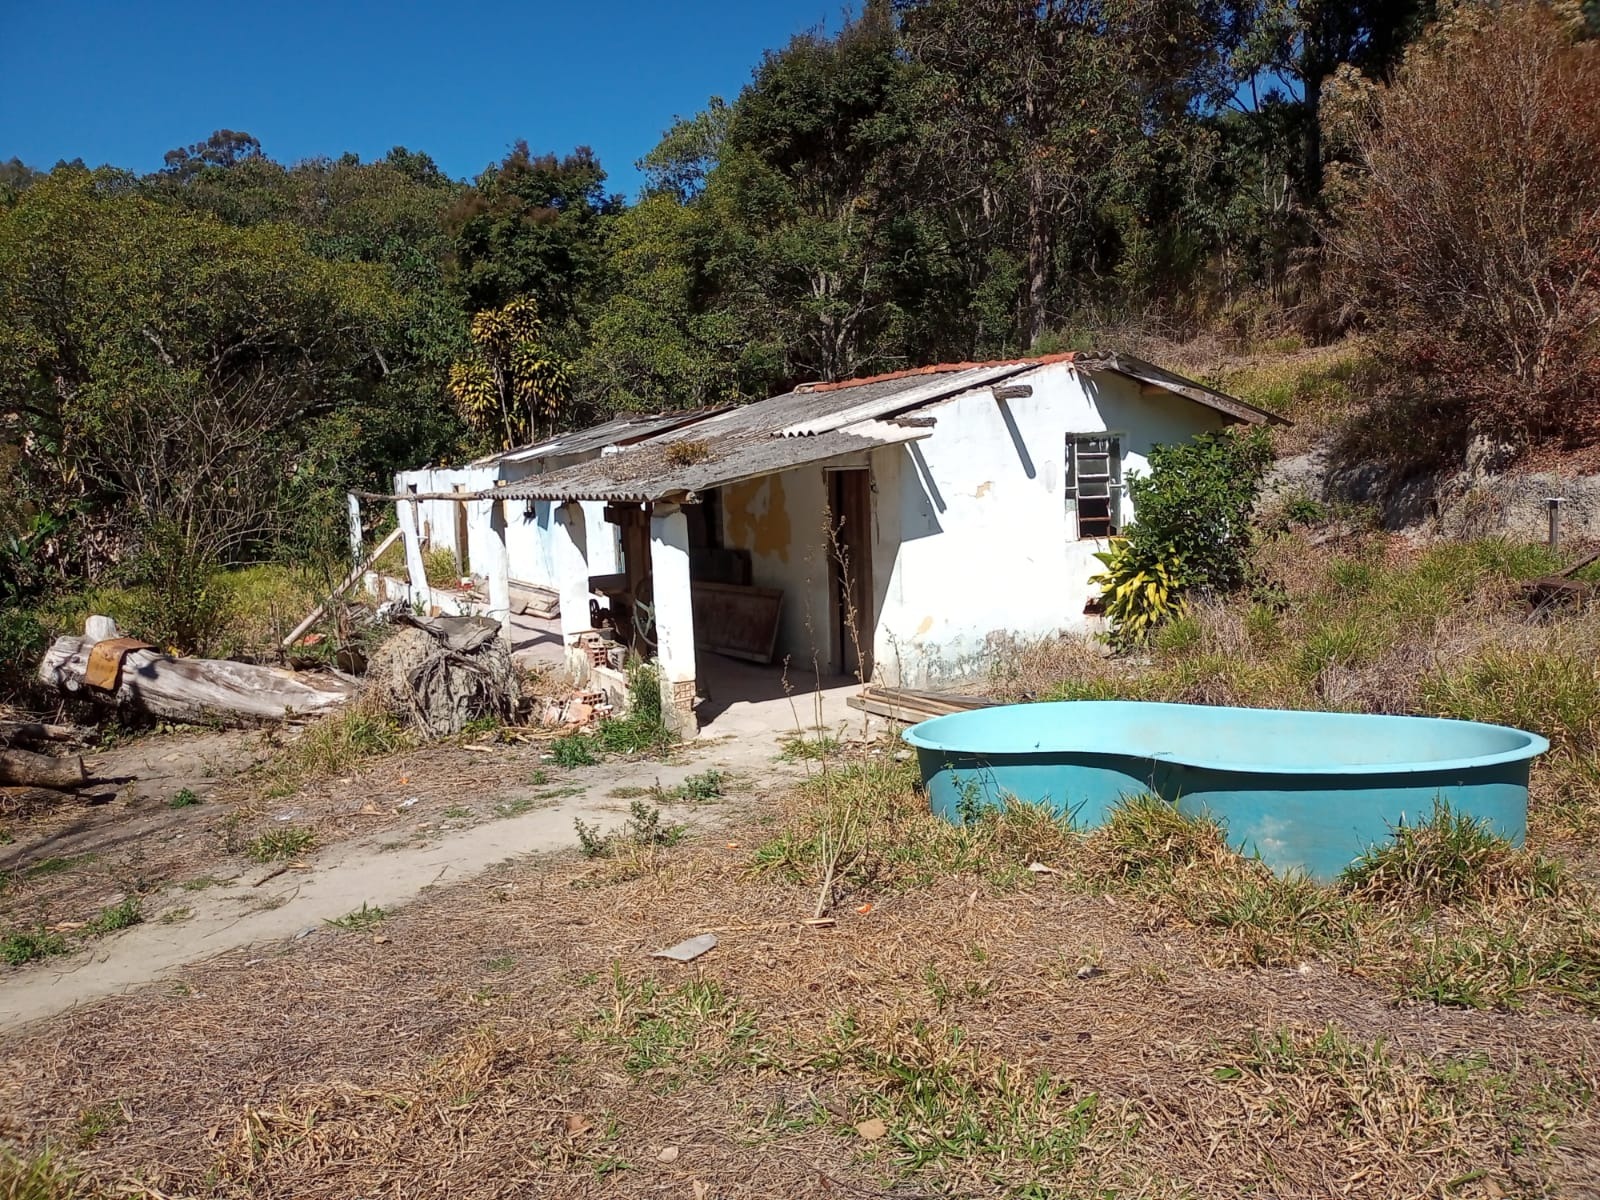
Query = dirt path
x=239 y=904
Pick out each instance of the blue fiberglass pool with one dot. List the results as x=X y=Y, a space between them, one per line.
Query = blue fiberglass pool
x=1306 y=790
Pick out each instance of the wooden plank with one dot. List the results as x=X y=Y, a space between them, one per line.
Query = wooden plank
x=741 y=622
x=350 y=581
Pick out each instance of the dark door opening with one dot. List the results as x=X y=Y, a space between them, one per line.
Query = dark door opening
x=850 y=570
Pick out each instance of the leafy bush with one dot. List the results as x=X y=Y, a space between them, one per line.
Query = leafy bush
x=180 y=603
x=1469 y=237
x=22 y=640
x=1191 y=529
x=1139 y=588
x=1194 y=507
x=574 y=750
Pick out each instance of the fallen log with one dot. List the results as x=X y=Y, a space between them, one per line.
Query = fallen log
x=41 y=770
x=195 y=690
x=37 y=733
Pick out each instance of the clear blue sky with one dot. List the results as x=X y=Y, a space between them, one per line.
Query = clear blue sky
x=122 y=83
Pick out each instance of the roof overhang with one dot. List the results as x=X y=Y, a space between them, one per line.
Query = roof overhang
x=663 y=470
x=1162 y=380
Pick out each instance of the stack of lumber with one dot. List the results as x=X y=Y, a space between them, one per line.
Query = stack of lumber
x=909 y=706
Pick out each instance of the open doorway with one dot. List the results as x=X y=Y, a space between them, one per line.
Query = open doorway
x=850 y=569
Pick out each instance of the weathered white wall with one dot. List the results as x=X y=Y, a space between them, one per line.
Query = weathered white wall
x=779 y=520
x=528 y=529
x=972 y=534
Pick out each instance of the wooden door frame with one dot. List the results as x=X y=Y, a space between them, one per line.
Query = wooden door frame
x=850 y=533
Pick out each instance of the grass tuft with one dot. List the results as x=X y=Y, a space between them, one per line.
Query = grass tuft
x=280 y=845
x=1449 y=859
x=117 y=916
x=28 y=945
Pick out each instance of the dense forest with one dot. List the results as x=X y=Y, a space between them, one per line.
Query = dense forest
x=195 y=363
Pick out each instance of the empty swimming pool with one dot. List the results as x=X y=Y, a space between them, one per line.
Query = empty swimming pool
x=1304 y=790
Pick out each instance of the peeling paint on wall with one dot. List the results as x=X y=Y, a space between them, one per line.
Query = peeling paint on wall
x=927 y=624
x=755 y=517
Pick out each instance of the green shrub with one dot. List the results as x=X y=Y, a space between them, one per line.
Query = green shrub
x=1193 y=509
x=25 y=945
x=179 y=602
x=23 y=640
x=644 y=730
x=574 y=750
x=1139 y=587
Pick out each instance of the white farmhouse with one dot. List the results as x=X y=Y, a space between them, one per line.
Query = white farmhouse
x=884 y=528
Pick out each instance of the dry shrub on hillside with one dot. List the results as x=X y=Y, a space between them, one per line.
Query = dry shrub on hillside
x=1471 y=236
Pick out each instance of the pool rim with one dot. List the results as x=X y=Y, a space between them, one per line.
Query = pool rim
x=1534 y=744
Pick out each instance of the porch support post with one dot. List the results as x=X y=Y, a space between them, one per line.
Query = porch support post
x=421 y=596
x=358 y=552
x=674 y=616
x=569 y=556
x=498 y=568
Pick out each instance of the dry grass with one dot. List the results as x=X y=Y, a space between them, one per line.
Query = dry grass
x=967 y=1027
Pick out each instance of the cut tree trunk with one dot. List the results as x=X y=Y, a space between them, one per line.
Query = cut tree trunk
x=34 y=733
x=196 y=690
x=40 y=770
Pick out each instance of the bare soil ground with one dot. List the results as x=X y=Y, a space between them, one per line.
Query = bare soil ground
x=378 y=835
x=969 y=1034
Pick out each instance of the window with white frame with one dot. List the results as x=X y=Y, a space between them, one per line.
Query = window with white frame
x=1094 y=484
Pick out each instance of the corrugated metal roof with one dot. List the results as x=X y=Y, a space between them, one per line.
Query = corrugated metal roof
x=619 y=431
x=894 y=395
x=666 y=469
x=810 y=424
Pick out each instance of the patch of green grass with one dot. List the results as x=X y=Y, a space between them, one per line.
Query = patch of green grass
x=202 y=883
x=696 y=789
x=501 y=962
x=184 y=798
x=98 y=1120
x=115 y=917
x=360 y=919
x=21 y=946
x=174 y=916
x=1449 y=858
x=574 y=750
x=55 y=866
x=644 y=729
x=336 y=743
x=280 y=845
x=669 y=1036
x=518 y=805
x=42 y=1176
x=457 y=812
x=629 y=792
x=440 y=568
x=798 y=747
x=952 y=1112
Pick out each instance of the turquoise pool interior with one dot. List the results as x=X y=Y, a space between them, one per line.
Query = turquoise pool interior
x=1306 y=791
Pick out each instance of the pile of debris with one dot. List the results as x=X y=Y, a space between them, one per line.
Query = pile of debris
x=577 y=711
x=441 y=673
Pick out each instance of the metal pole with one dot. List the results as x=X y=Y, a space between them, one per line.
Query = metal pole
x=1552 y=506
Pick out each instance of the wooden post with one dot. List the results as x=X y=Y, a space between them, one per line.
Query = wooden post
x=357 y=542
